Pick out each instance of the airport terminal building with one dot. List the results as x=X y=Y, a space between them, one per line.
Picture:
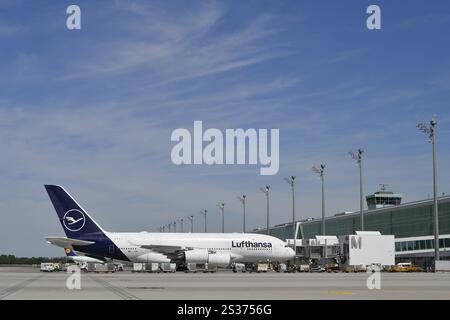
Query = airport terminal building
x=410 y=223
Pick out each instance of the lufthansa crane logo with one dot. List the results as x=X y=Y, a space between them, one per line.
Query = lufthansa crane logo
x=74 y=220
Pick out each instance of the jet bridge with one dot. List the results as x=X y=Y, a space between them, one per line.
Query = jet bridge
x=361 y=249
x=318 y=248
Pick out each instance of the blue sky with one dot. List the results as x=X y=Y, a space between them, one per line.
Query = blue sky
x=93 y=109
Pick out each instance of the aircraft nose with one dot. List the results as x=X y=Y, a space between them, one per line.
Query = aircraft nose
x=290 y=253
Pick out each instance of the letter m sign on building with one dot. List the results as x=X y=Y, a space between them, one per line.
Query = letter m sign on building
x=355 y=242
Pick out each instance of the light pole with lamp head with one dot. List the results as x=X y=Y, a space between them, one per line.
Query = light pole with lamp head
x=430 y=131
x=358 y=157
x=266 y=192
x=242 y=200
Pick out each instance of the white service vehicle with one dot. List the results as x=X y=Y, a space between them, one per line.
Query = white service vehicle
x=48 y=267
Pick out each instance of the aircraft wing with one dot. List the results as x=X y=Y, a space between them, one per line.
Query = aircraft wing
x=163 y=248
x=67 y=242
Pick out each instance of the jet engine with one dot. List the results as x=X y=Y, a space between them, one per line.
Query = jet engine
x=196 y=256
x=219 y=259
x=202 y=256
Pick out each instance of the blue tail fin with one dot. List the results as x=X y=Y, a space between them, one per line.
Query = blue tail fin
x=70 y=252
x=77 y=224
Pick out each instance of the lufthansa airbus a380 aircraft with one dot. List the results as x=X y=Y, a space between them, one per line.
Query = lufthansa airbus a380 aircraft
x=219 y=249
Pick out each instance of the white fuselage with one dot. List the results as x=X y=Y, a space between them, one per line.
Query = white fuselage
x=242 y=247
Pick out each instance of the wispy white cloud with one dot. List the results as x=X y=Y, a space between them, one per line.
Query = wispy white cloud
x=182 y=46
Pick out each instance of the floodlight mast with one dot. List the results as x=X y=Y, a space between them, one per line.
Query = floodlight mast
x=321 y=172
x=181 y=224
x=242 y=200
x=221 y=206
x=191 y=218
x=430 y=131
x=291 y=182
x=266 y=192
x=358 y=157
x=205 y=213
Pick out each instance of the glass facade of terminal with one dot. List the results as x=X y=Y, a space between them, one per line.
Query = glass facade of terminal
x=409 y=220
x=407 y=246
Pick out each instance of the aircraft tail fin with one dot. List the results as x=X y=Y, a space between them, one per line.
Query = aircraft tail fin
x=70 y=252
x=76 y=222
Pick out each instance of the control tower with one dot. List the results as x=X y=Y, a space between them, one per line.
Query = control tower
x=383 y=199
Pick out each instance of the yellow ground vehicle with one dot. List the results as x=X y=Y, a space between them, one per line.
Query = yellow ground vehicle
x=406 y=267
